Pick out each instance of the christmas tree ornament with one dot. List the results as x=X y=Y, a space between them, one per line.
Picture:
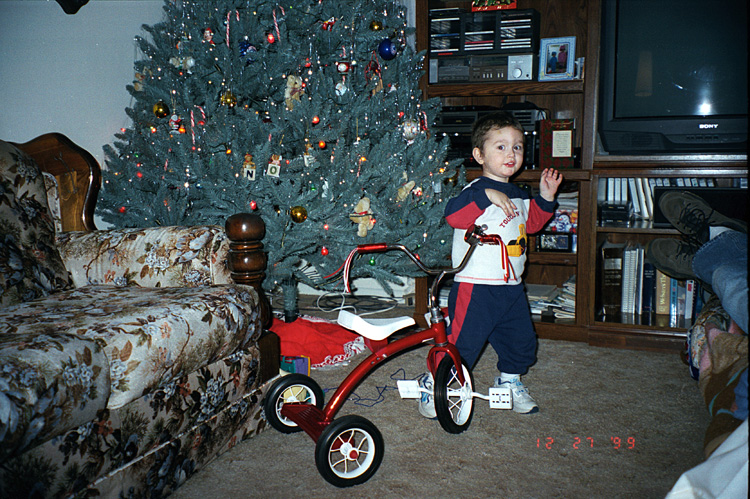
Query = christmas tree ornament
x=270 y=38
x=372 y=261
x=253 y=205
x=362 y=216
x=316 y=120
x=403 y=191
x=308 y=158
x=228 y=99
x=161 y=110
x=328 y=25
x=274 y=166
x=343 y=66
x=298 y=214
x=293 y=91
x=341 y=88
x=185 y=63
x=322 y=144
x=248 y=167
x=140 y=77
x=324 y=251
x=376 y=25
x=174 y=124
x=387 y=49
x=208 y=36
x=122 y=209
x=410 y=130
x=248 y=51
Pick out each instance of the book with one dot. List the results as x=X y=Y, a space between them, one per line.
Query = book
x=611 y=275
x=689 y=299
x=645 y=214
x=674 y=291
x=601 y=191
x=648 y=292
x=662 y=293
x=630 y=279
x=634 y=197
x=639 y=257
x=648 y=196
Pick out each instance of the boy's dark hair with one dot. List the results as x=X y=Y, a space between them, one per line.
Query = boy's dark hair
x=496 y=120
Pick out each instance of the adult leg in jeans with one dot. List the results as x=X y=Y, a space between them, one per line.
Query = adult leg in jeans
x=722 y=263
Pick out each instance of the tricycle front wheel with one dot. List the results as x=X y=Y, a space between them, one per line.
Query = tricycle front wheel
x=454 y=402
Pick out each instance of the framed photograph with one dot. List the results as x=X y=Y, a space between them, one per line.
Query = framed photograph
x=557 y=58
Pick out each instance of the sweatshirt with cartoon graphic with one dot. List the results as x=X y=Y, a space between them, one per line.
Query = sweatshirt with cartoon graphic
x=495 y=264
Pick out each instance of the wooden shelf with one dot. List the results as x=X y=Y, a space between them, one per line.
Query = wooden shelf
x=579 y=99
x=637 y=227
x=553 y=258
x=504 y=88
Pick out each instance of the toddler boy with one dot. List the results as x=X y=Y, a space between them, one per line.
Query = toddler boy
x=487 y=301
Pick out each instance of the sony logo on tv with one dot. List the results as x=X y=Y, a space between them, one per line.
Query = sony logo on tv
x=705 y=126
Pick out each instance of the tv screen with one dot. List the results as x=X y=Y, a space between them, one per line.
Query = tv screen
x=673 y=76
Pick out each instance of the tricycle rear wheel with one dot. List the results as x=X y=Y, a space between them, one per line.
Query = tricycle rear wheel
x=288 y=389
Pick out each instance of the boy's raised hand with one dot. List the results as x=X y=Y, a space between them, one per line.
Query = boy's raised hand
x=549 y=181
x=501 y=200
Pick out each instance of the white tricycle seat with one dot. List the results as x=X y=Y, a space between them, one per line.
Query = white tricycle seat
x=373 y=329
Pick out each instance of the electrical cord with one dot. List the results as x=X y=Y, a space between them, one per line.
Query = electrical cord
x=361 y=305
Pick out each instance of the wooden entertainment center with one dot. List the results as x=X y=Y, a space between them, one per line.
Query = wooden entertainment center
x=578 y=99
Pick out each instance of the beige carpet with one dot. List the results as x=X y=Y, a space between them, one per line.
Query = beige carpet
x=588 y=396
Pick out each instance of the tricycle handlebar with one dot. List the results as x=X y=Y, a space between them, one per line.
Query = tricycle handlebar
x=474 y=235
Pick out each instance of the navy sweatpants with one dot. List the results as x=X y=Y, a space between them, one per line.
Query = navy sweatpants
x=499 y=314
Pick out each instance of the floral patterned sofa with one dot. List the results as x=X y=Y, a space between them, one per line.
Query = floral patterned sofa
x=128 y=358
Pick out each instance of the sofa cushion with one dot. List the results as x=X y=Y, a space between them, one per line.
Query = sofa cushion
x=49 y=383
x=30 y=265
x=150 y=257
x=150 y=336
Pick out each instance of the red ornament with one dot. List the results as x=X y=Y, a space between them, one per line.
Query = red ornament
x=139 y=174
x=324 y=251
x=322 y=144
x=315 y=120
x=270 y=38
x=253 y=205
x=326 y=227
x=122 y=209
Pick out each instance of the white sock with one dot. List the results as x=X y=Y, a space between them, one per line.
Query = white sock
x=509 y=377
x=715 y=230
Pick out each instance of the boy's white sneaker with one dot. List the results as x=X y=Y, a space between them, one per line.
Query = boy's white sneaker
x=427 y=401
x=522 y=401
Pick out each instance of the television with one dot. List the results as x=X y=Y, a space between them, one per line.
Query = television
x=673 y=77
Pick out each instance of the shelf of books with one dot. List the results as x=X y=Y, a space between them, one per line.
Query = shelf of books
x=631 y=292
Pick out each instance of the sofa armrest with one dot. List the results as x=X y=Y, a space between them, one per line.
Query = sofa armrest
x=151 y=257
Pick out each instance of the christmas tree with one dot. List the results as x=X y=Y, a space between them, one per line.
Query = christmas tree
x=308 y=114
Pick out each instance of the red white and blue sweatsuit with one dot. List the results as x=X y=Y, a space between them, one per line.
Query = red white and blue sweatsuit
x=487 y=301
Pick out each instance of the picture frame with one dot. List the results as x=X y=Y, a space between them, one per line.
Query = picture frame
x=550 y=66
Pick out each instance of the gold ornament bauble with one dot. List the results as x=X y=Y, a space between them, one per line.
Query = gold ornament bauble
x=376 y=25
x=228 y=99
x=298 y=214
x=161 y=110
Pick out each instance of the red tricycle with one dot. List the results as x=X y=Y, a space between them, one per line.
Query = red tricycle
x=349 y=449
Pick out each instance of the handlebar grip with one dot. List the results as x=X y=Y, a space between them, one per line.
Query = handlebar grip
x=372 y=248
